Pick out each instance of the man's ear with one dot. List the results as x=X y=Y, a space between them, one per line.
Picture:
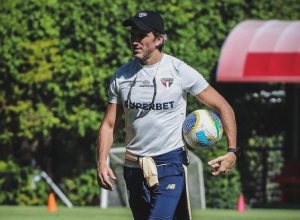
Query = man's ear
x=159 y=40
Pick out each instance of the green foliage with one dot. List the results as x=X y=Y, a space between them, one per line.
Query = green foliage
x=264 y=151
x=82 y=190
x=261 y=137
x=18 y=187
x=57 y=57
x=221 y=191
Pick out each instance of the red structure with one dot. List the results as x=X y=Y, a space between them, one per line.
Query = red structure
x=261 y=51
x=258 y=51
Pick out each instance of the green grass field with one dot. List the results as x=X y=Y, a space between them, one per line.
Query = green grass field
x=94 y=213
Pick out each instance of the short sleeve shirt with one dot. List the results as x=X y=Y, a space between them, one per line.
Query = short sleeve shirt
x=154 y=98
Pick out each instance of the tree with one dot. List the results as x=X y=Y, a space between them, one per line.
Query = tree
x=57 y=58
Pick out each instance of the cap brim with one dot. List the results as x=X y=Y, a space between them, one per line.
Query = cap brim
x=139 y=25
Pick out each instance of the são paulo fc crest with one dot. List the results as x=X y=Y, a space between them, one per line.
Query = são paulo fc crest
x=167 y=82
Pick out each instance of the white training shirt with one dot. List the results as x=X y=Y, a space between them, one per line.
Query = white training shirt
x=158 y=128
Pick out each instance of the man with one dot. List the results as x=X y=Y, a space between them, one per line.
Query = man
x=152 y=91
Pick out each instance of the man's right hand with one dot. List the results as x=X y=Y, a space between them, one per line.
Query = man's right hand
x=105 y=175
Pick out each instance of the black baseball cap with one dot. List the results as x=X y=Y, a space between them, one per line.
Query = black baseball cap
x=148 y=21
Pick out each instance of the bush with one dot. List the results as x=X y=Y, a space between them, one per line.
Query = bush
x=57 y=58
x=221 y=191
x=18 y=185
x=83 y=189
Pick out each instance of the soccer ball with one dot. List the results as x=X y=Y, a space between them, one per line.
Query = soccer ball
x=202 y=129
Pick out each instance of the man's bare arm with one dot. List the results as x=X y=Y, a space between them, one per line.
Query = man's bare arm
x=105 y=141
x=211 y=98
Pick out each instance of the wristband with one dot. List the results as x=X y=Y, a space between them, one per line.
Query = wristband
x=235 y=150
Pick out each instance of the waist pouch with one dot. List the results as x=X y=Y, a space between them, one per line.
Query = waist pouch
x=148 y=164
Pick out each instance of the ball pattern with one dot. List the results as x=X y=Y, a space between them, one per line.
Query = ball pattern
x=202 y=129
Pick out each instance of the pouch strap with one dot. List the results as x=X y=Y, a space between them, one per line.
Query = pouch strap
x=148 y=166
x=131 y=156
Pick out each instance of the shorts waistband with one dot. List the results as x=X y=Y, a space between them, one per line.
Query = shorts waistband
x=178 y=155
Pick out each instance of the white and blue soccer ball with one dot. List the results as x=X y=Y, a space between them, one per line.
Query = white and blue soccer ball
x=202 y=129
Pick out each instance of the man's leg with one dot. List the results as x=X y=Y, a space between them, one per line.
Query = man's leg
x=138 y=193
x=165 y=197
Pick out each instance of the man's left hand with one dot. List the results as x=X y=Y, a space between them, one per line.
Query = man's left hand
x=223 y=164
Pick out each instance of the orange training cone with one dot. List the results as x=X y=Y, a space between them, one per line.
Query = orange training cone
x=52 y=206
x=241 y=204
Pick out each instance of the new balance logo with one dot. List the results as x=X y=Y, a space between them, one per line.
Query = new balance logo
x=171 y=186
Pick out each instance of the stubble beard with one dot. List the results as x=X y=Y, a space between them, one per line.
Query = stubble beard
x=143 y=57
